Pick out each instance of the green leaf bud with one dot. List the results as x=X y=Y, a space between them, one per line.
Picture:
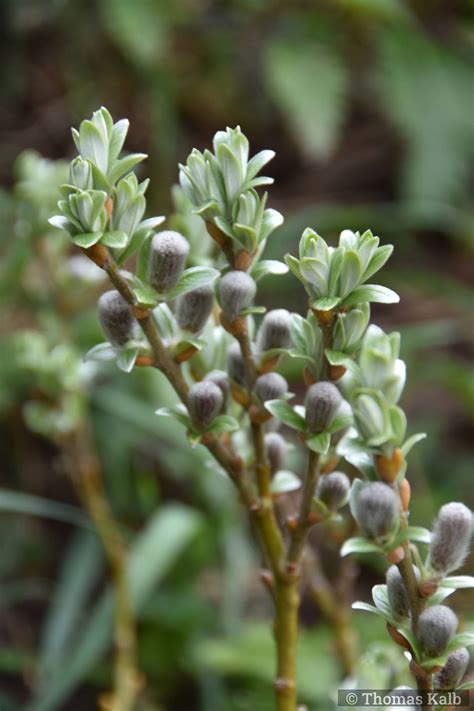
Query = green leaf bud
x=322 y=402
x=194 y=308
x=205 y=400
x=436 y=627
x=274 y=331
x=451 y=537
x=80 y=174
x=117 y=322
x=167 y=259
x=221 y=379
x=453 y=671
x=236 y=292
x=333 y=490
x=235 y=364
x=376 y=509
x=88 y=207
x=277 y=448
x=271 y=386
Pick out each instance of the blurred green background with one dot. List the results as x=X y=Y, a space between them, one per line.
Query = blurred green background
x=369 y=105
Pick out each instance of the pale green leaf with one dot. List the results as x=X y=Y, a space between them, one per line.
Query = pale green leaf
x=283 y=411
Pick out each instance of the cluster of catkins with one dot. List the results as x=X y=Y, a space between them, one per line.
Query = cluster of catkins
x=235 y=292
x=359 y=357
x=437 y=624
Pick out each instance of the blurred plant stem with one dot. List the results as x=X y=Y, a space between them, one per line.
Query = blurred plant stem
x=85 y=473
x=335 y=607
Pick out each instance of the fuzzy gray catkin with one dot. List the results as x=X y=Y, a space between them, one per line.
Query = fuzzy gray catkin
x=194 y=308
x=451 y=537
x=235 y=364
x=377 y=508
x=322 y=402
x=270 y=386
x=453 y=671
x=277 y=448
x=236 y=292
x=221 y=379
x=274 y=331
x=117 y=322
x=333 y=490
x=397 y=594
x=167 y=259
x=205 y=400
x=436 y=627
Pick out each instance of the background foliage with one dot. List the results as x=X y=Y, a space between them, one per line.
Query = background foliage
x=369 y=107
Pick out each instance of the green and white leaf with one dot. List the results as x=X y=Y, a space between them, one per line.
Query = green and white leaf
x=319 y=443
x=283 y=411
x=359 y=545
x=192 y=278
x=285 y=481
x=223 y=423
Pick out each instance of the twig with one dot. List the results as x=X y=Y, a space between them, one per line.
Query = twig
x=86 y=475
x=336 y=610
x=417 y=603
x=299 y=532
x=286 y=594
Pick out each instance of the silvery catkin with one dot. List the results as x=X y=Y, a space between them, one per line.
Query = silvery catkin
x=270 y=386
x=333 y=490
x=194 y=308
x=117 y=322
x=236 y=292
x=276 y=447
x=167 y=259
x=453 y=671
x=274 y=331
x=322 y=402
x=436 y=626
x=376 y=509
x=205 y=399
x=451 y=537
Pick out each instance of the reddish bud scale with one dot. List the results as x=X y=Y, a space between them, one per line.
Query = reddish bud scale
x=216 y=234
x=405 y=494
x=396 y=556
x=236 y=328
x=324 y=318
x=239 y=395
x=336 y=372
x=428 y=587
x=243 y=260
x=185 y=355
x=139 y=312
x=388 y=467
x=308 y=377
x=398 y=638
x=258 y=415
x=109 y=206
x=330 y=465
x=143 y=361
x=268 y=365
